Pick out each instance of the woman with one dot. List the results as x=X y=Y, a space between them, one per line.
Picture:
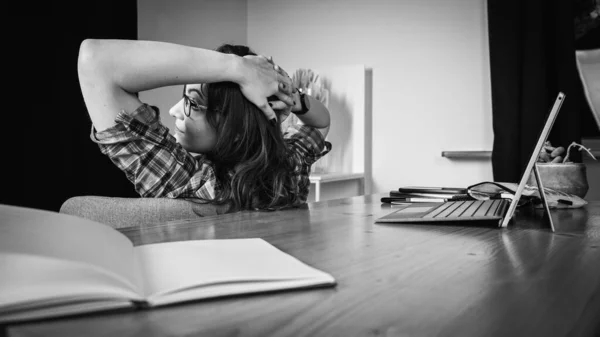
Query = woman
x=224 y=149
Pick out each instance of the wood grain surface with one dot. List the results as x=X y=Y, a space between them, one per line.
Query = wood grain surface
x=393 y=279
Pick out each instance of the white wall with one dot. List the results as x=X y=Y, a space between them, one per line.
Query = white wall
x=429 y=61
x=198 y=23
x=430 y=73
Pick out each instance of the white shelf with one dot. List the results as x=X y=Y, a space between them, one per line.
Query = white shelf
x=467 y=154
x=329 y=177
x=320 y=178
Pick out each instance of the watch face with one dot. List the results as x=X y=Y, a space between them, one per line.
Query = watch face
x=306 y=101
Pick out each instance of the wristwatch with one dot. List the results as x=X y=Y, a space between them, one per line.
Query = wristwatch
x=304 y=102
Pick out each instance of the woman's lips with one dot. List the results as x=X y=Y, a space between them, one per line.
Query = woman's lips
x=178 y=130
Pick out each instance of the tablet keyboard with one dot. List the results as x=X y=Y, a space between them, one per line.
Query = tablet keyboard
x=469 y=209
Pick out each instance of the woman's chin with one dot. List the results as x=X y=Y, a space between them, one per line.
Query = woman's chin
x=177 y=136
x=179 y=141
x=184 y=145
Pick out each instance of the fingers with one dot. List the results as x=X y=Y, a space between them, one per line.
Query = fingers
x=285 y=84
x=283 y=73
x=278 y=105
x=277 y=67
x=280 y=70
x=283 y=77
x=281 y=109
x=268 y=111
x=285 y=98
x=285 y=88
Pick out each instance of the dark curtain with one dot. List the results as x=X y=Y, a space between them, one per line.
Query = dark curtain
x=532 y=57
x=49 y=156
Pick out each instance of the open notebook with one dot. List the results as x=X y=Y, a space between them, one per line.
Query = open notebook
x=497 y=212
x=54 y=264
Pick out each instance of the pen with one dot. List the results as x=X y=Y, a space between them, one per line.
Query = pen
x=392 y=200
x=418 y=200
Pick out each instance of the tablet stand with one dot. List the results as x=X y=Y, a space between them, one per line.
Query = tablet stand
x=542 y=192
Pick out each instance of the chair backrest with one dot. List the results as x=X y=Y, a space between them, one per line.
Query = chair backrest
x=588 y=63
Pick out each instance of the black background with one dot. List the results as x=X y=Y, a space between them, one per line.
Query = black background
x=47 y=153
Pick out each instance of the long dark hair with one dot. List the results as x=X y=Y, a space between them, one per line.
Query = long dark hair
x=251 y=161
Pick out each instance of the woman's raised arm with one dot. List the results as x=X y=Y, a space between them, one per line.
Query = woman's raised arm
x=111 y=72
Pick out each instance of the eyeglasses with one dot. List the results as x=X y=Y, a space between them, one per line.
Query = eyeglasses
x=189 y=104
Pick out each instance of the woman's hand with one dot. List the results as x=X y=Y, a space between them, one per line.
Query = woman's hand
x=318 y=116
x=260 y=80
x=282 y=109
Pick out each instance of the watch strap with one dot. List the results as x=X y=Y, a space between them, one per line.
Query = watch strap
x=302 y=103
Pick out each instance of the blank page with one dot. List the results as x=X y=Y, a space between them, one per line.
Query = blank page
x=175 y=266
x=66 y=237
x=35 y=282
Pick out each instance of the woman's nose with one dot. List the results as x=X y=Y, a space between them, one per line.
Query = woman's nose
x=177 y=110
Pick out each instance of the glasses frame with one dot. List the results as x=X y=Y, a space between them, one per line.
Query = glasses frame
x=187 y=106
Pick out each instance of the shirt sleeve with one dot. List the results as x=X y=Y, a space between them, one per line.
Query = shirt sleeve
x=307 y=143
x=142 y=147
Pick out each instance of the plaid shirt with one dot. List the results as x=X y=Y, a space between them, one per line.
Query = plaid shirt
x=141 y=146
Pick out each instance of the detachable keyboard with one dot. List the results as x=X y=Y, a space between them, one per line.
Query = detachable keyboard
x=450 y=211
x=469 y=209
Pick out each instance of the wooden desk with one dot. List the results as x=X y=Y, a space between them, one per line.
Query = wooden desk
x=393 y=280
